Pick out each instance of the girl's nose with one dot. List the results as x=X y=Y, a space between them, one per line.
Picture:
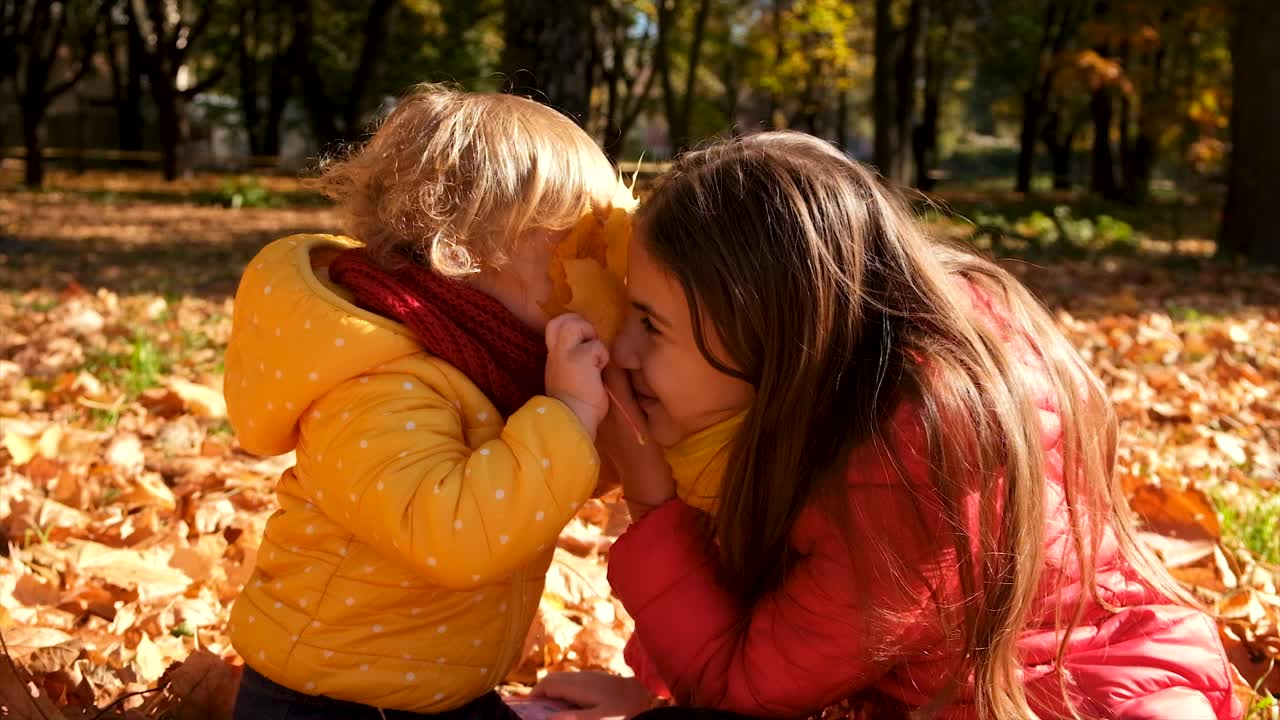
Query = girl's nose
x=626 y=347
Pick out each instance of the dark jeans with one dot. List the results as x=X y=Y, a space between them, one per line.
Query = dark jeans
x=262 y=699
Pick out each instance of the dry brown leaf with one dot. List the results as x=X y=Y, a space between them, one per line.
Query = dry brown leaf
x=32 y=590
x=149 y=490
x=575 y=581
x=197 y=612
x=199 y=400
x=25 y=448
x=202 y=560
x=147 y=574
x=560 y=633
x=41 y=649
x=599 y=647
x=213 y=514
x=147 y=660
x=125 y=452
x=206 y=684
x=1256 y=669
x=21 y=698
x=181 y=437
x=1181 y=513
x=581 y=539
x=162 y=402
x=1177 y=552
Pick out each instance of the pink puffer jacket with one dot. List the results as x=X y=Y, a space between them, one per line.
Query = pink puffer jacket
x=812 y=641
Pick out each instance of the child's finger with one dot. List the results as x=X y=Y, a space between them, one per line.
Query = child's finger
x=553 y=331
x=599 y=354
x=567 y=331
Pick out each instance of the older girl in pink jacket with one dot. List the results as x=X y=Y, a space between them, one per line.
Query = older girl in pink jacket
x=887 y=475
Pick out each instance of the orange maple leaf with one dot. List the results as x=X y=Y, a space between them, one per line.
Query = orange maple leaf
x=588 y=267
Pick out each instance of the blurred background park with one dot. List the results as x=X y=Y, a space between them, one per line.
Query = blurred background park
x=1117 y=154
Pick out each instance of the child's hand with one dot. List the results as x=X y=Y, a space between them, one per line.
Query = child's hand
x=600 y=695
x=645 y=475
x=575 y=357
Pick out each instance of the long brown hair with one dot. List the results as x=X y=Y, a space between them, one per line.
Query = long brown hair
x=826 y=296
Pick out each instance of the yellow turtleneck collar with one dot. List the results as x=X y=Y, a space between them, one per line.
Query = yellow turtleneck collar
x=698 y=463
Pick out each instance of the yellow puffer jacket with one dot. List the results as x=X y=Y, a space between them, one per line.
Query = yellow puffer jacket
x=405 y=564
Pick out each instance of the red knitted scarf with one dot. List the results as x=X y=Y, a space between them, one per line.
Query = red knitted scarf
x=458 y=324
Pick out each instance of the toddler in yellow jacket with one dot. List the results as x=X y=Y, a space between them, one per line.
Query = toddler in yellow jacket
x=434 y=471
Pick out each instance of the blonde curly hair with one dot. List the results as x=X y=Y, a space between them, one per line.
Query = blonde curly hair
x=457 y=178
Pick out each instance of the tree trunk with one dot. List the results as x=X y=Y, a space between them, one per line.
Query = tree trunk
x=547 y=53
x=1102 y=169
x=164 y=50
x=131 y=124
x=779 y=48
x=883 y=94
x=894 y=79
x=612 y=144
x=1059 y=146
x=679 y=110
x=126 y=87
x=320 y=113
x=1125 y=145
x=1248 y=230
x=924 y=144
x=169 y=119
x=248 y=67
x=732 y=92
x=1141 y=154
x=1061 y=21
x=1032 y=109
x=905 y=76
x=626 y=91
x=667 y=12
x=1102 y=173
x=805 y=116
x=842 y=120
x=34 y=66
x=925 y=137
x=616 y=132
x=680 y=136
x=614 y=139
x=281 y=87
x=374 y=43
x=1060 y=156
x=632 y=106
x=32 y=118
x=1138 y=185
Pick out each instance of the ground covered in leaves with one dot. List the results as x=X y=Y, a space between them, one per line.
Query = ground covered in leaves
x=129 y=518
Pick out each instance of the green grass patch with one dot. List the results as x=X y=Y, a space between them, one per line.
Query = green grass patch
x=1251 y=518
x=41 y=304
x=1060 y=231
x=135 y=369
x=221 y=428
x=104 y=418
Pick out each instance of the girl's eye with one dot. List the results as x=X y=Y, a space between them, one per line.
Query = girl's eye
x=648 y=326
